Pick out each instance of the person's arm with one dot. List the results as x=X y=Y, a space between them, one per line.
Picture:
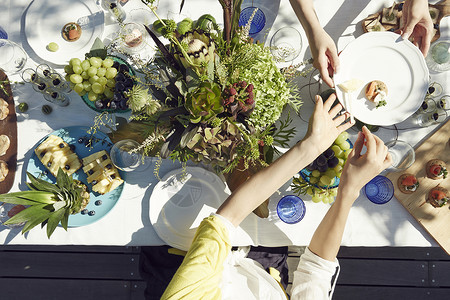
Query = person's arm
x=324 y=127
x=313 y=277
x=417 y=24
x=322 y=46
x=358 y=170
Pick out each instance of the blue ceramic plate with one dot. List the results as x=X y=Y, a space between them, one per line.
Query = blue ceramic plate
x=305 y=173
x=78 y=136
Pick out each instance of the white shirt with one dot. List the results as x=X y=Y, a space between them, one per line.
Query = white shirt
x=244 y=278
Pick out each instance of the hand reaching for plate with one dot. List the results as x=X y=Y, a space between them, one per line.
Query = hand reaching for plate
x=418 y=24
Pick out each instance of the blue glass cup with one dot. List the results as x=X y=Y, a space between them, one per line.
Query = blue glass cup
x=291 y=209
x=3 y=34
x=258 y=22
x=379 y=190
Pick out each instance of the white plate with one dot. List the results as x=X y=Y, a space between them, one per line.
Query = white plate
x=399 y=64
x=178 y=205
x=45 y=20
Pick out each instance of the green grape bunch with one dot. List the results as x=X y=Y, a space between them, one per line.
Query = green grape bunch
x=324 y=171
x=93 y=76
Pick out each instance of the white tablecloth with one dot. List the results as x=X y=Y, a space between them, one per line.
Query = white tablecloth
x=128 y=223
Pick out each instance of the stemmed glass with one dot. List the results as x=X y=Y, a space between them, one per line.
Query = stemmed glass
x=286 y=44
x=13 y=58
x=125 y=155
x=402 y=153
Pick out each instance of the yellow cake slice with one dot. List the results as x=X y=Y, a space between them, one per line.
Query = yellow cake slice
x=54 y=153
x=101 y=172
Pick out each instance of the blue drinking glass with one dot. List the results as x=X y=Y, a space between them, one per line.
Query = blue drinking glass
x=291 y=209
x=379 y=190
x=3 y=34
x=258 y=22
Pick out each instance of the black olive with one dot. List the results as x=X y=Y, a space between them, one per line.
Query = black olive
x=61 y=145
x=105 y=157
x=94 y=182
x=90 y=172
x=109 y=166
x=113 y=176
x=49 y=164
x=431 y=90
x=67 y=167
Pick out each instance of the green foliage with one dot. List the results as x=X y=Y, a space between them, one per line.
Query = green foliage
x=204 y=102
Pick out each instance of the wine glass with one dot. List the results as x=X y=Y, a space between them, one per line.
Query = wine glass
x=134 y=37
x=125 y=155
x=286 y=44
x=438 y=58
x=433 y=118
x=443 y=102
x=428 y=105
x=402 y=153
x=56 y=97
x=13 y=58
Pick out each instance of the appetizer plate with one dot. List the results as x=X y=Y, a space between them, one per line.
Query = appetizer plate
x=387 y=57
x=78 y=137
x=181 y=200
x=44 y=22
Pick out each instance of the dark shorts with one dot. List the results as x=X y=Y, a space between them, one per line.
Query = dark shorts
x=157 y=266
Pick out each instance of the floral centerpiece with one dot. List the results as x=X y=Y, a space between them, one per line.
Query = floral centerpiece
x=211 y=95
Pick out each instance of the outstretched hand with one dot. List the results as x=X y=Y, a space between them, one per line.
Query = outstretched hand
x=325 y=56
x=417 y=24
x=361 y=168
x=324 y=125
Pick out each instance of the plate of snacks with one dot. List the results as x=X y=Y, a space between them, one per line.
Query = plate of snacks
x=57 y=30
x=386 y=75
x=84 y=157
x=101 y=83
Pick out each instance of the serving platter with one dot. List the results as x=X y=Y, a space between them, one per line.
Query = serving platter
x=383 y=56
x=442 y=7
x=85 y=145
x=434 y=220
x=181 y=200
x=45 y=19
x=8 y=127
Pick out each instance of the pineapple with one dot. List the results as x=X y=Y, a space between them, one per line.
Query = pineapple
x=101 y=172
x=48 y=203
x=54 y=153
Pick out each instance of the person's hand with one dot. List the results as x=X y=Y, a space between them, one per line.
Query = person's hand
x=417 y=24
x=361 y=168
x=325 y=57
x=324 y=127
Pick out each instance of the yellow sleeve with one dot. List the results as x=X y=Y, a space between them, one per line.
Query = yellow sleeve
x=200 y=274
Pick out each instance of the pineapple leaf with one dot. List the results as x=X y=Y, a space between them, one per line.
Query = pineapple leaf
x=62 y=179
x=54 y=220
x=65 y=219
x=36 y=221
x=59 y=204
x=40 y=184
x=33 y=215
x=28 y=197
